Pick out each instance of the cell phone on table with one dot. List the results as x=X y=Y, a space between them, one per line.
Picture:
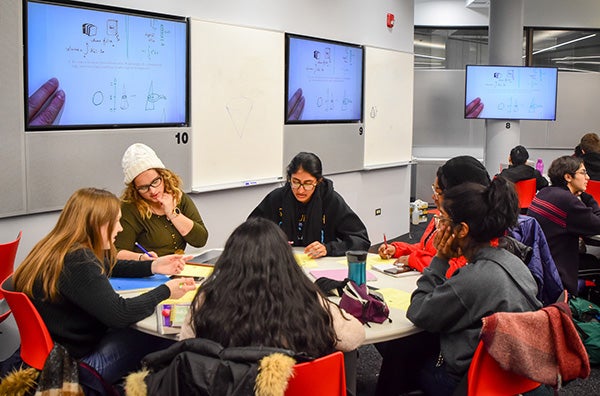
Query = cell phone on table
x=397 y=270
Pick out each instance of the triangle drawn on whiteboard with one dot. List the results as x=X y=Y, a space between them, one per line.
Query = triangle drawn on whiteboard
x=239 y=110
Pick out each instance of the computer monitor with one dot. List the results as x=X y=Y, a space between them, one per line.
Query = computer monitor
x=117 y=67
x=323 y=81
x=511 y=92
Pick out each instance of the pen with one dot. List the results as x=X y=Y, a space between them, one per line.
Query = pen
x=142 y=249
x=385 y=244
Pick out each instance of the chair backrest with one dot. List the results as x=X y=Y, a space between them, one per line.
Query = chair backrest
x=325 y=376
x=526 y=190
x=36 y=342
x=593 y=188
x=8 y=252
x=487 y=378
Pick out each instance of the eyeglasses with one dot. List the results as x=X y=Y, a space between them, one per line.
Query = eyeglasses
x=582 y=172
x=306 y=185
x=439 y=218
x=154 y=183
x=435 y=189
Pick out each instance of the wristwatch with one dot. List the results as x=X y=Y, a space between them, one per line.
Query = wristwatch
x=176 y=212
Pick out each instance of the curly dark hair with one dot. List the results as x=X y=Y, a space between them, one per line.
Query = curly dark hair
x=488 y=211
x=258 y=295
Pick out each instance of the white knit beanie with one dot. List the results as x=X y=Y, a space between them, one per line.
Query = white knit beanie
x=139 y=158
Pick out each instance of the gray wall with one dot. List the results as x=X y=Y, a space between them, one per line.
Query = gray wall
x=344 y=20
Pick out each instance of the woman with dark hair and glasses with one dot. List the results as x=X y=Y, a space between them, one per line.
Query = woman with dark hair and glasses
x=157 y=214
x=565 y=213
x=418 y=255
x=311 y=213
x=494 y=280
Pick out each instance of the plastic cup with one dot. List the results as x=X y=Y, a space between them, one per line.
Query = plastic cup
x=357 y=266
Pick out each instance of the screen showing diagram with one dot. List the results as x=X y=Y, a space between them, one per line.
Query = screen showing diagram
x=511 y=92
x=102 y=67
x=324 y=80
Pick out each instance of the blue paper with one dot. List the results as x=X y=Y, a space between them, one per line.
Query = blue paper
x=138 y=283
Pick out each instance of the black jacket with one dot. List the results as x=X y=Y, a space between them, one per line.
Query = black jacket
x=592 y=165
x=329 y=219
x=198 y=366
x=516 y=173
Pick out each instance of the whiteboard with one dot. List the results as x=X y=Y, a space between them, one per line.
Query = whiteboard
x=237 y=110
x=388 y=107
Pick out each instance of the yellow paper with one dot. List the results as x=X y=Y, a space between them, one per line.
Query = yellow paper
x=305 y=261
x=376 y=259
x=396 y=298
x=196 y=270
x=186 y=298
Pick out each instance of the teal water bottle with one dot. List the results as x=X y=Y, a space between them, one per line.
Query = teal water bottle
x=357 y=266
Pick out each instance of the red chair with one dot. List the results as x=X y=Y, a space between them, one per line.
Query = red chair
x=593 y=188
x=526 y=190
x=487 y=378
x=36 y=342
x=8 y=252
x=324 y=376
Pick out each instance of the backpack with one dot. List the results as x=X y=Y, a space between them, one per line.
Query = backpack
x=364 y=303
x=586 y=317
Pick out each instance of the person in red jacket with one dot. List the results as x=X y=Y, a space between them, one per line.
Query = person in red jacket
x=455 y=171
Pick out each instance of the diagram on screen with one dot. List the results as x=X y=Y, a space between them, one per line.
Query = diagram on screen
x=153 y=97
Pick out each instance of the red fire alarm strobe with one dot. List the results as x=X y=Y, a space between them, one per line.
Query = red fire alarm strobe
x=390 y=20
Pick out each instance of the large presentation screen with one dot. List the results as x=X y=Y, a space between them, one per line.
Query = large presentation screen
x=323 y=81
x=511 y=92
x=90 y=66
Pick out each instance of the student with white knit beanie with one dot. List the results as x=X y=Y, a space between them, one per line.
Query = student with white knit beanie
x=156 y=213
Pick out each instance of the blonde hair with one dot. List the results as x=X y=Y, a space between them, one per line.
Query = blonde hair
x=172 y=184
x=78 y=227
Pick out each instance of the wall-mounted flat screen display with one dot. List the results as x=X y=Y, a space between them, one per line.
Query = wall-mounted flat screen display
x=511 y=92
x=92 y=66
x=323 y=81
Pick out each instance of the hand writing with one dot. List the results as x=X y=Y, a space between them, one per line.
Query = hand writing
x=386 y=251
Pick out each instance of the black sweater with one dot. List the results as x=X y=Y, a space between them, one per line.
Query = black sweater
x=89 y=305
x=516 y=173
x=329 y=219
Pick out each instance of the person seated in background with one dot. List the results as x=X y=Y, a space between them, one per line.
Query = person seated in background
x=157 y=214
x=66 y=277
x=519 y=170
x=590 y=150
x=565 y=212
x=311 y=213
x=418 y=255
x=471 y=215
x=258 y=295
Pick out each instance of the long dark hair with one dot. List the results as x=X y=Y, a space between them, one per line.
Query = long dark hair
x=488 y=211
x=258 y=295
